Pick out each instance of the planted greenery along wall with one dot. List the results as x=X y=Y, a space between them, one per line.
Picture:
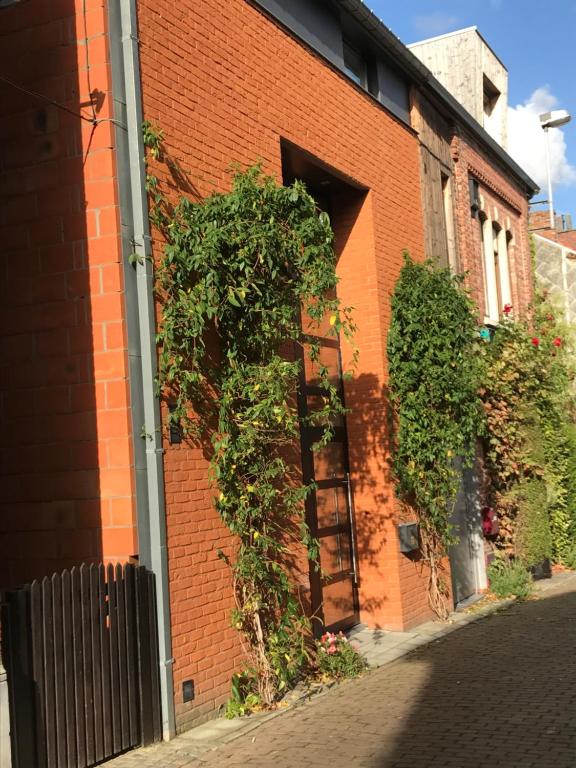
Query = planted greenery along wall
x=433 y=347
x=236 y=271
x=528 y=398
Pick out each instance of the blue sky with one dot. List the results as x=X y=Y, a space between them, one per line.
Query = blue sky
x=536 y=42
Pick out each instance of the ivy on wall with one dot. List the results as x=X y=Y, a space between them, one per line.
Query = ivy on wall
x=239 y=274
x=434 y=371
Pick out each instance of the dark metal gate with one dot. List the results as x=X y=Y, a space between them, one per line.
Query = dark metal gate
x=81 y=655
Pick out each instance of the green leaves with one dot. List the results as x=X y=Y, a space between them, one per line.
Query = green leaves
x=238 y=270
x=434 y=379
x=529 y=404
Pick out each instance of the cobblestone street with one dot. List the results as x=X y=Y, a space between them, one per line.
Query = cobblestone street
x=499 y=692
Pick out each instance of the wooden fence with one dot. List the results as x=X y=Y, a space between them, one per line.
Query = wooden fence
x=81 y=654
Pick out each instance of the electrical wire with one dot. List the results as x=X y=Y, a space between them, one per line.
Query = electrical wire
x=54 y=103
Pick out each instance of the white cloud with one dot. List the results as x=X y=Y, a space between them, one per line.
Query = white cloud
x=436 y=23
x=526 y=140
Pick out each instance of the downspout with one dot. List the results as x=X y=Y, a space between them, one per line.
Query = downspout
x=140 y=318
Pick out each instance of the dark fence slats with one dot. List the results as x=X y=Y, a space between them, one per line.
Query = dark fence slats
x=47 y=630
x=122 y=658
x=87 y=665
x=131 y=652
x=114 y=681
x=38 y=672
x=83 y=673
x=105 y=662
x=69 y=698
x=144 y=654
x=96 y=664
x=78 y=668
x=59 y=690
x=154 y=660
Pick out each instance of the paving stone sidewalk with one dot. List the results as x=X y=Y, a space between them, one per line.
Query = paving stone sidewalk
x=498 y=692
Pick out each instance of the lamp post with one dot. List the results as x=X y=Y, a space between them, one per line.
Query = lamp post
x=553 y=119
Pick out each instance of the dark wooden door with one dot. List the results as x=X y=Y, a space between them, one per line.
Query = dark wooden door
x=334 y=587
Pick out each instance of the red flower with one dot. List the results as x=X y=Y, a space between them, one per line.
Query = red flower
x=507 y=309
x=549 y=318
x=557 y=342
x=535 y=341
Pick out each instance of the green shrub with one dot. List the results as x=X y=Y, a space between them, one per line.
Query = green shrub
x=509 y=578
x=533 y=536
x=569 y=560
x=337 y=658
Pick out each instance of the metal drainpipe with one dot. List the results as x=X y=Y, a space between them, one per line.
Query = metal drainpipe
x=139 y=281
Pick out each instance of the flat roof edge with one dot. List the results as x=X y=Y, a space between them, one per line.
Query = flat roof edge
x=412 y=66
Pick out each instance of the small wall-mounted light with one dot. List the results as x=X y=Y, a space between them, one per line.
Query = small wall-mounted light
x=408 y=535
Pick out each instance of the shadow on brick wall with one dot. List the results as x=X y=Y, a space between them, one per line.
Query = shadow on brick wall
x=50 y=514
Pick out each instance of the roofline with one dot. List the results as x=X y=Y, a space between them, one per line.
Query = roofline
x=422 y=75
x=441 y=37
x=459 y=32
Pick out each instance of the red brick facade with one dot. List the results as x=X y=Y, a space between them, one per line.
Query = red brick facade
x=503 y=201
x=249 y=85
x=226 y=85
x=66 y=491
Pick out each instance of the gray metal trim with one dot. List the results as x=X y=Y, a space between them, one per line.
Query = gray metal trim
x=422 y=75
x=395 y=51
x=139 y=282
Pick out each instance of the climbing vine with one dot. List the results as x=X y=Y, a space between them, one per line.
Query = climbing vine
x=434 y=376
x=246 y=280
x=529 y=405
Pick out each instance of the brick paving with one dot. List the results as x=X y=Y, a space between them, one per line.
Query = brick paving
x=498 y=692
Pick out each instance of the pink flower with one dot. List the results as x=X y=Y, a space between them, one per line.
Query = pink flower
x=332 y=649
x=507 y=309
x=557 y=342
x=535 y=341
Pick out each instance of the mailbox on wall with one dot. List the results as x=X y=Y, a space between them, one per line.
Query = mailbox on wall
x=409 y=537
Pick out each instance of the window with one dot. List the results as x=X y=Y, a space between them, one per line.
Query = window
x=497 y=277
x=491 y=96
x=496 y=269
x=355 y=65
x=491 y=113
x=449 y=221
x=474 y=189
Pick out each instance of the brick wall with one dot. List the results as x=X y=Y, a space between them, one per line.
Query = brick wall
x=226 y=84
x=66 y=492
x=504 y=201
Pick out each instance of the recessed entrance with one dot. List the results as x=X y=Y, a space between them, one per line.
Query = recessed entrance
x=329 y=509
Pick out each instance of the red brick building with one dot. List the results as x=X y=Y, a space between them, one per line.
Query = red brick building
x=320 y=92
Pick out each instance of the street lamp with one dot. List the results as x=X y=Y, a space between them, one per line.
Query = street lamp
x=553 y=119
